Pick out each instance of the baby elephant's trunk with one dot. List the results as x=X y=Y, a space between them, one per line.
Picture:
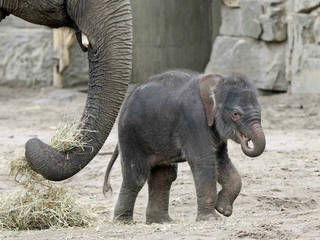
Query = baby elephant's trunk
x=258 y=140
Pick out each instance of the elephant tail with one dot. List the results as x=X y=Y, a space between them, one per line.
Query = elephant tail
x=106 y=186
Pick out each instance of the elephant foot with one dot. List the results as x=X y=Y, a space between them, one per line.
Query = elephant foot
x=123 y=219
x=208 y=217
x=158 y=218
x=224 y=206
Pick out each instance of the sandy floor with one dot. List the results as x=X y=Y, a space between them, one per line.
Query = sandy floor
x=280 y=197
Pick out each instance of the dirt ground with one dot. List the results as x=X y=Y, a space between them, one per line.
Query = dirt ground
x=280 y=197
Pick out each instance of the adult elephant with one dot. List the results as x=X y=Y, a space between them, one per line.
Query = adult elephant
x=104 y=29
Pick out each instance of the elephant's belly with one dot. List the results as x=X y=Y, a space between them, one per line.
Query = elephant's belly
x=160 y=160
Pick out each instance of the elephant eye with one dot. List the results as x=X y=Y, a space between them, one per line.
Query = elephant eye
x=235 y=115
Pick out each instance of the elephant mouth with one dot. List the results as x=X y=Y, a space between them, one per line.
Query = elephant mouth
x=254 y=145
x=243 y=139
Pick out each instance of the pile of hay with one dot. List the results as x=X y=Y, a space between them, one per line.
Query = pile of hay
x=43 y=205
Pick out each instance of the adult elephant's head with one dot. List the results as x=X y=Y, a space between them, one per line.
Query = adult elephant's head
x=104 y=29
x=231 y=103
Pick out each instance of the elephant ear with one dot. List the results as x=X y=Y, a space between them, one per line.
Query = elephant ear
x=207 y=86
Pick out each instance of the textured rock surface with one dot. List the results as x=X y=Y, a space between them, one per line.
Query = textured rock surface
x=262 y=63
x=232 y=3
x=243 y=21
x=264 y=20
x=25 y=56
x=15 y=22
x=273 y=21
x=277 y=45
x=305 y=6
x=303 y=65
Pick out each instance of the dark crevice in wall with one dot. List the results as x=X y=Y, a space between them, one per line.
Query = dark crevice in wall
x=310 y=9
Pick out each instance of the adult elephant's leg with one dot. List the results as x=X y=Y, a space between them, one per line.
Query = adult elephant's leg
x=135 y=173
x=159 y=184
x=230 y=180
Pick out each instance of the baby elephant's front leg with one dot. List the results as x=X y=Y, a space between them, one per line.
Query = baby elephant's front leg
x=206 y=188
x=230 y=181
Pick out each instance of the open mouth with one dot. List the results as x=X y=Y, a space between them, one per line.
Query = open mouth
x=254 y=145
x=244 y=140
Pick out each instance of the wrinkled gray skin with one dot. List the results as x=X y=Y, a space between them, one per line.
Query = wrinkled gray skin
x=184 y=116
x=108 y=26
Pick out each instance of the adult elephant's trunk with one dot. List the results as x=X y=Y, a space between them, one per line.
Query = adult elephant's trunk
x=108 y=26
x=258 y=140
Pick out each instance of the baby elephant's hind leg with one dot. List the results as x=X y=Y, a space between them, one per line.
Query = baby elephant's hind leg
x=159 y=182
x=230 y=180
x=135 y=173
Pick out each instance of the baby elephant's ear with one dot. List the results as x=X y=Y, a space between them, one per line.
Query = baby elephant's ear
x=207 y=85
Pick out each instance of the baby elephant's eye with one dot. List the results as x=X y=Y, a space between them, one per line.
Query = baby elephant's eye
x=236 y=116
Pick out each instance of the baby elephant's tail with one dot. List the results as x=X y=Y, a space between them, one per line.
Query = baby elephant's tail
x=106 y=186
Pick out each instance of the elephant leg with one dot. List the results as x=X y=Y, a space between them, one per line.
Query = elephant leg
x=135 y=173
x=230 y=180
x=204 y=174
x=159 y=184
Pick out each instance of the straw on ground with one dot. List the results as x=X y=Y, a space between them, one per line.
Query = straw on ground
x=41 y=204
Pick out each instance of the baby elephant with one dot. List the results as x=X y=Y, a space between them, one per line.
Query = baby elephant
x=182 y=116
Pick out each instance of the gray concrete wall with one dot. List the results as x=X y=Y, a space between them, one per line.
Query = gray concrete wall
x=170 y=34
x=215 y=18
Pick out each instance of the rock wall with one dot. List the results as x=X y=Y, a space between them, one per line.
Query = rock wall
x=27 y=57
x=303 y=53
x=274 y=42
x=26 y=53
x=252 y=41
x=167 y=34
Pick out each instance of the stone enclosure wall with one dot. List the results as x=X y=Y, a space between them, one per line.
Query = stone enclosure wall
x=25 y=53
x=27 y=56
x=274 y=42
x=167 y=34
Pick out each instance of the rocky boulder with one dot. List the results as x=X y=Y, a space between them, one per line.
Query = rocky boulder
x=26 y=56
x=263 y=64
x=305 y=6
x=303 y=54
x=265 y=20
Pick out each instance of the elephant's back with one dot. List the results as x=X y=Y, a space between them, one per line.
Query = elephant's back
x=156 y=104
x=153 y=114
x=172 y=79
